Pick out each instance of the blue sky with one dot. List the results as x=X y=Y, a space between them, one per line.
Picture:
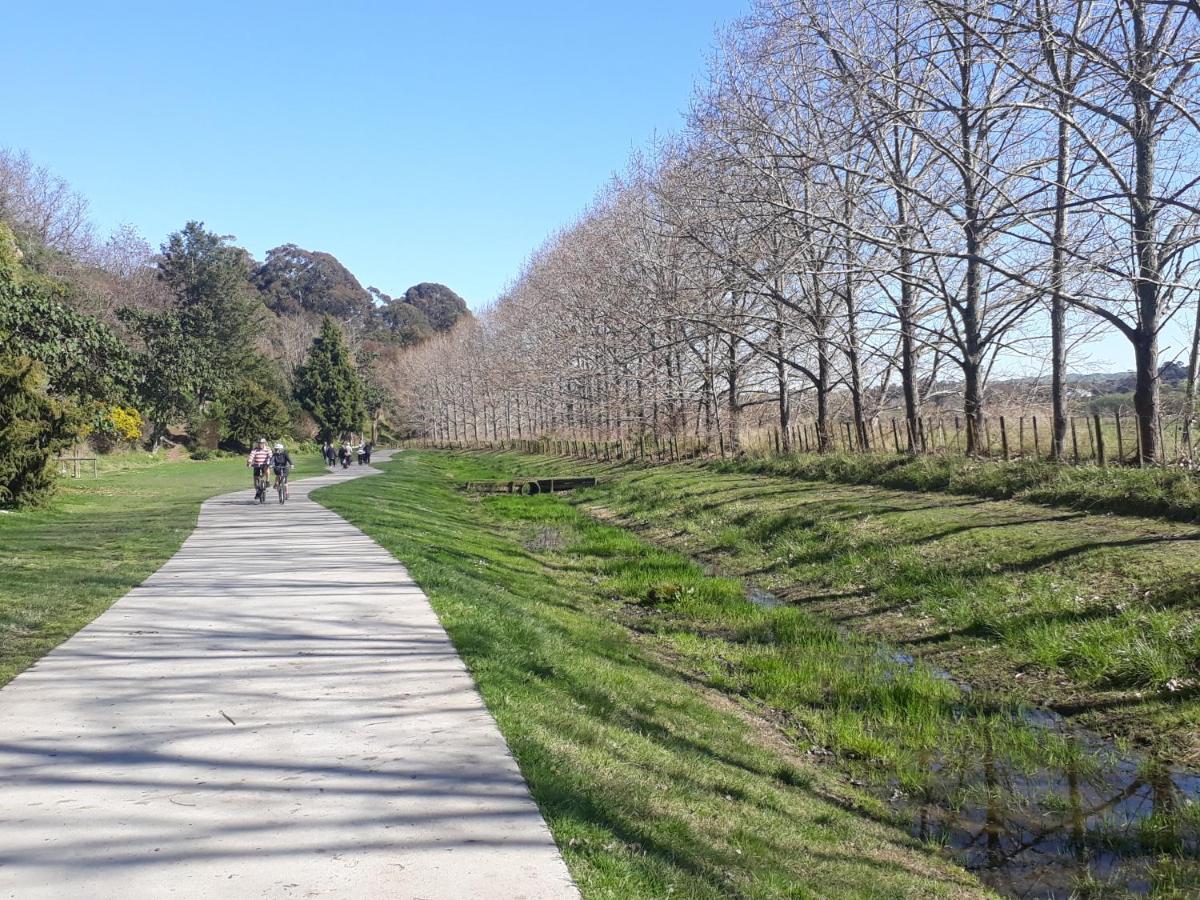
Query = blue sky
x=414 y=141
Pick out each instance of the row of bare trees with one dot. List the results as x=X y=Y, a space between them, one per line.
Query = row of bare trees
x=872 y=200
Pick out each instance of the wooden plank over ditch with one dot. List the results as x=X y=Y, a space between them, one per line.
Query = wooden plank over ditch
x=530 y=486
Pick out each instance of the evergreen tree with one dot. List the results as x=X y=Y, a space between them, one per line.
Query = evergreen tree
x=194 y=351
x=33 y=428
x=210 y=281
x=251 y=410
x=328 y=385
x=83 y=358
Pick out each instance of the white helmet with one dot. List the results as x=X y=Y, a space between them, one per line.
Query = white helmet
x=279 y=446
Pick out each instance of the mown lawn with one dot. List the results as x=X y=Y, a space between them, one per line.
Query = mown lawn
x=653 y=783
x=65 y=564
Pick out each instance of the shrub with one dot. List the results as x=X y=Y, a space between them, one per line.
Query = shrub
x=249 y=411
x=205 y=455
x=33 y=428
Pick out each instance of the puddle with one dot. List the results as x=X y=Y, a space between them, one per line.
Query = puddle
x=763 y=599
x=1056 y=812
x=1096 y=823
x=906 y=661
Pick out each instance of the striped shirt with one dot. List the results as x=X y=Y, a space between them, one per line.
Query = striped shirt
x=259 y=457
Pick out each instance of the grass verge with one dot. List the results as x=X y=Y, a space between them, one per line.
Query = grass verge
x=653 y=783
x=1171 y=493
x=1094 y=615
x=65 y=564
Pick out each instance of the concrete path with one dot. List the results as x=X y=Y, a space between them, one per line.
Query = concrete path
x=275 y=713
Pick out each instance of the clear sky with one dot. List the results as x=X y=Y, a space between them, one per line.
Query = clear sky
x=416 y=141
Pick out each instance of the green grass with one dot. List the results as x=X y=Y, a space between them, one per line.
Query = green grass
x=1095 y=615
x=590 y=646
x=65 y=564
x=982 y=589
x=1171 y=493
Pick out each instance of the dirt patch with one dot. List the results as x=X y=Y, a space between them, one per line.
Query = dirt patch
x=547 y=540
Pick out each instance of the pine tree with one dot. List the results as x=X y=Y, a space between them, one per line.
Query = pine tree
x=33 y=427
x=328 y=385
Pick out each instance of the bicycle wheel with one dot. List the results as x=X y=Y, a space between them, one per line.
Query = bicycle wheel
x=281 y=488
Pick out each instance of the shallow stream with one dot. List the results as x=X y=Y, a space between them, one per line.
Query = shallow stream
x=1065 y=813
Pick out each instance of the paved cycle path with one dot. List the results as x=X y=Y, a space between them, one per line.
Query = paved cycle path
x=276 y=712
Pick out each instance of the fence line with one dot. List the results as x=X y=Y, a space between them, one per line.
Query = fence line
x=1090 y=440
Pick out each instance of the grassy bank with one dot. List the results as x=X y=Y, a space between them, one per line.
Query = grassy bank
x=1171 y=493
x=584 y=641
x=1094 y=615
x=63 y=565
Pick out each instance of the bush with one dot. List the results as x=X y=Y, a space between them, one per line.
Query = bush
x=250 y=411
x=33 y=428
x=205 y=455
x=115 y=426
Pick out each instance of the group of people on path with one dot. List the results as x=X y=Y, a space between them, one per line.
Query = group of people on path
x=345 y=453
x=264 y=459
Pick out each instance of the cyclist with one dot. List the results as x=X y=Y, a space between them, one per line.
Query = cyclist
x=281 y=462
x=259 y=460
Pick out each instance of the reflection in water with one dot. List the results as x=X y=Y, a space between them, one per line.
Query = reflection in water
x=763 y=599
x=1043 y=810
x=1097 y=821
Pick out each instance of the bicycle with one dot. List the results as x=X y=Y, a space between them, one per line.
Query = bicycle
x=281 y=486
x=261 y=483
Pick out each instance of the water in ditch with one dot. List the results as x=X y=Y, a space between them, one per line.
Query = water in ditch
x=1095 y=822
x=1040 y=809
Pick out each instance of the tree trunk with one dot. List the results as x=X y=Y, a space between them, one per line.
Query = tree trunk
x=781 y=379
x=856 y=393
x=908 y=355
x=824 y=439
x=1189 y=402
x=734 y=407
x=1147 y=285
x=1058 y=302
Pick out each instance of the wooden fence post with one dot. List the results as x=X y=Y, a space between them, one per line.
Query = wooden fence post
x=1074 y=442
x=1003 y=439
x=1100 y=456
x=896 y=435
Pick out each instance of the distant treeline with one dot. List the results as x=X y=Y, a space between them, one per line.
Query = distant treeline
x=196 y=343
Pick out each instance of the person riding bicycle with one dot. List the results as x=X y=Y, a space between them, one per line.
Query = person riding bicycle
x=259 y=460
x=281 y=462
